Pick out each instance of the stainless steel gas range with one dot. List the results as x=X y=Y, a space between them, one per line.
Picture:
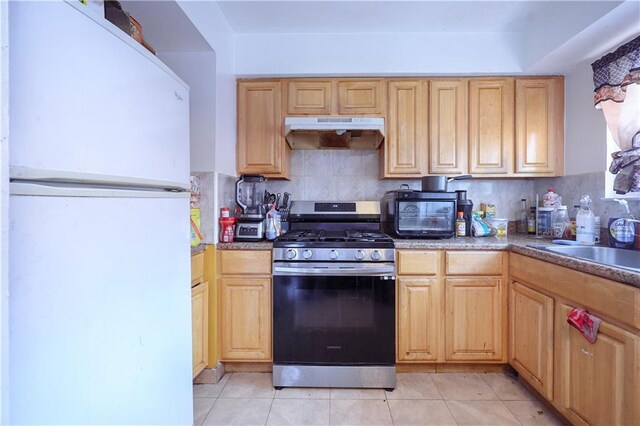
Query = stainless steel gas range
x=334 y=298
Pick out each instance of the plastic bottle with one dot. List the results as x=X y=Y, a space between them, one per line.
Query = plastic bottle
x=596 y=227
x=621 y=233
x=585 y=223
x=461 y=225
x=523 y=217
x=572 y=219
x=531 y=222
x=560 y=224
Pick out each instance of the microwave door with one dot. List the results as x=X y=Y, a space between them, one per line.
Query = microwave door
x=425 y=217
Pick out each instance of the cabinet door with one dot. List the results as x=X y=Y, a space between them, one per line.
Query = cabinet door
x=405 y=147
x=491 y=126
x=474 y=319
x=540 y=126
x=419 y=319
x=200 y=327
x=245 y=319
x=531 y=337
x=598 y=383
x=261 y=145
x=448 y=126
x=309 y=97
x=361 y=97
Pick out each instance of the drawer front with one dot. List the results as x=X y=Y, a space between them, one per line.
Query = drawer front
x=197 y=268
x=474 y=263
x=242 y=262
x=418 y=262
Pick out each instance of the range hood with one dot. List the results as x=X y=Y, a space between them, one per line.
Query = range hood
x=334 y=132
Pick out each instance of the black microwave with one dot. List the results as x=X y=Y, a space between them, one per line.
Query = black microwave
x=418 y=214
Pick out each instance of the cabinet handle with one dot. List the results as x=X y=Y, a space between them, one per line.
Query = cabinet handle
x=586 y=352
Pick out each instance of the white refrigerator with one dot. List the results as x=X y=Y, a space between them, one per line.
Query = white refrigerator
x=100 y=299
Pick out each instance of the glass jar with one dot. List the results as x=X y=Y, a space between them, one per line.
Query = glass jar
x=560 y=224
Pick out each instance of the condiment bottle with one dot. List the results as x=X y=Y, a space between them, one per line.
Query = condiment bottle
x=531 y=222
x=561 y=225
x=461 y=225
x=523 y=218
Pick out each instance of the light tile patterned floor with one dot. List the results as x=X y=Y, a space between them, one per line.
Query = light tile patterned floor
x=419 y=399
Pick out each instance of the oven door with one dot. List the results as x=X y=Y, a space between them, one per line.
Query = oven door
x=324 y=314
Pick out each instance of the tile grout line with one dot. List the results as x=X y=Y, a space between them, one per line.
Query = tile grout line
x=215 y=400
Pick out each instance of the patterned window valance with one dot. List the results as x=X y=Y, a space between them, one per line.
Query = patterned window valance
x=614 y=72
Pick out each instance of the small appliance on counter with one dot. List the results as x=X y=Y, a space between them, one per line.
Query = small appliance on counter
x=249 y=196
x=419 y=214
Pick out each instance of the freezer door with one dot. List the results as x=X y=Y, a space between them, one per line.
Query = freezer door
x=83 y=100
x=100 y=310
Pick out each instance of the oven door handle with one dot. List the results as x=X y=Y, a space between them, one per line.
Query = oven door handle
x=385 y=272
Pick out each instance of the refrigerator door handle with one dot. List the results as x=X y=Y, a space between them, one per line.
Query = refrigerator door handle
x=69 y=190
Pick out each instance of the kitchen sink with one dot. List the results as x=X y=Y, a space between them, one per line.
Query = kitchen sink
x=620 y=258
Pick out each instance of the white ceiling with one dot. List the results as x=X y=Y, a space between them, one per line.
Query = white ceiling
x=384 y=16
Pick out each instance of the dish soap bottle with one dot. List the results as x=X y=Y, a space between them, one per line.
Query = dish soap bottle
x=585 y=223
x=621 y=233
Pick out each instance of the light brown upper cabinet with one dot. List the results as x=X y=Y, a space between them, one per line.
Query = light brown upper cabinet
x=405 y=146
x=357 y=97
x=540 y=126
x=448 y=100
x=261 y=147
x=307 y=97
x=491 y=126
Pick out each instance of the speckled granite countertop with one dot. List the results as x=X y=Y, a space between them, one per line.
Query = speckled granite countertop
x=245 y=245
x=517 y=244
x=199 y=248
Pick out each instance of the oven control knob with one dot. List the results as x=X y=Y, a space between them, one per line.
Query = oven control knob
x=290 y=254
x=333 y=254
x=375 y=255
x=359 y=255
x=307 y=254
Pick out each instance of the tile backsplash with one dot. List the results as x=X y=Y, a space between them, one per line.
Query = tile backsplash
x=572 y=188
x=345 y=175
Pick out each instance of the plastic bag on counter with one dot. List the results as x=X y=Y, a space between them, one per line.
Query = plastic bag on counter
x=481 y=227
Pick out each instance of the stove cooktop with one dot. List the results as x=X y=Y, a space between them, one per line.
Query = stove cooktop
x=321 y=235
x=321 y=238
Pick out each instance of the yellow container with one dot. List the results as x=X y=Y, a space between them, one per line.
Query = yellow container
x=195 y=227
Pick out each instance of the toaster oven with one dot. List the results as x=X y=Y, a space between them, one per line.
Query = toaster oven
x=419 y=214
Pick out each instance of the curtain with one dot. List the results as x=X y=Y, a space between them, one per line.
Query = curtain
x=616 y=77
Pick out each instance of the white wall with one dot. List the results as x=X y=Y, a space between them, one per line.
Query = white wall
x=377 y=54
x=4 y=213
x=197 y=70
x=209 y=20
x=585 y=127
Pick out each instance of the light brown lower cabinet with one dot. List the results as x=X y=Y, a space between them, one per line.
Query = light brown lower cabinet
x=531 y=336
x=445 y=313
x=419 y=319
x=245 y=318
x=200 y=326
x=474 y=319
x=598 y=384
